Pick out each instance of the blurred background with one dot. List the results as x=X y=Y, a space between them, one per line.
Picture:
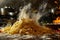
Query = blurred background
x=9 y=9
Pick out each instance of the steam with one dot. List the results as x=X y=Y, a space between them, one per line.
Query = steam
x=42 y=8
x=25 y=12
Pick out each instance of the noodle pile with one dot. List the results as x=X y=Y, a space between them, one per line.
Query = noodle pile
x=27 y=27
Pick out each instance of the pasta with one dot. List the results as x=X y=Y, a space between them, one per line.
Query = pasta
x=27 y=27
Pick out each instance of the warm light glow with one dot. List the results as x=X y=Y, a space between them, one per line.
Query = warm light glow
x=5 y=6
x=57 y=21
x=55 y=2
x=11 y=13
x=2 y=11
x=52 y=10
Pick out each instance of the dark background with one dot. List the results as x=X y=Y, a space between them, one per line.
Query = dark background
x=16 y=4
